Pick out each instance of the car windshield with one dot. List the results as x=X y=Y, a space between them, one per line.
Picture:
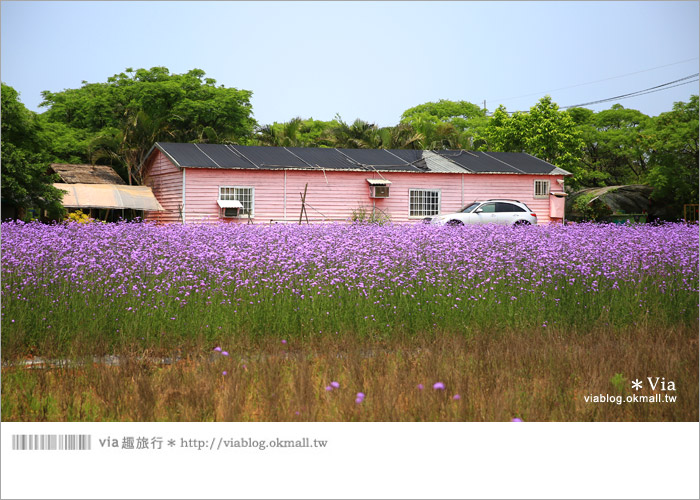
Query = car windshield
x=470 y=208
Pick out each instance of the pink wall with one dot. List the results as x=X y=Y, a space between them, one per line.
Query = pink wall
x=165 y=179
x=332 y=196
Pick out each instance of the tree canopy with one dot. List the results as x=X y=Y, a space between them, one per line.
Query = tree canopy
x=673 y=156
x=544 y=132
x=446 y=124
x=118 y=121
x=24 y=182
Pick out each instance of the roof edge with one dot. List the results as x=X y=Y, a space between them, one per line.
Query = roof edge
x=162 y=150
x=555 y=171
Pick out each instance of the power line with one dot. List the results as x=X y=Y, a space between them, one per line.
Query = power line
x=650 y=90
x=595 y=81
x=657 y=88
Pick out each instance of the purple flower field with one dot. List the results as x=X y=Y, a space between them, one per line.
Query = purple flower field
x=139 y=279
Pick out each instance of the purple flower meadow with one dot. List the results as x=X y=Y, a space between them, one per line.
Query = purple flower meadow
x=231 y=277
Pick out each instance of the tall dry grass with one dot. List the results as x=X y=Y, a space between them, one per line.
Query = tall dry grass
x=537 y=375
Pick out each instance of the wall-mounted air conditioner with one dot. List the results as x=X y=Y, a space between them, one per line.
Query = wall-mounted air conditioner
x=378 y=188
x=230 y=208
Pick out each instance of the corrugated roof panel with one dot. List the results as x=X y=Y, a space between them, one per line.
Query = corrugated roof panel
x=478 y=162
x=407 y=155
x=270 y=157
x=437 y=163
x=325 y=157
x=223 y=155
x=377 y=158
x=411 y=156
x=108 y=196
x=185 y=155
x=525 y=162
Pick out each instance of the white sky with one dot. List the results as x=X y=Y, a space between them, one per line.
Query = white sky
x=368 y=60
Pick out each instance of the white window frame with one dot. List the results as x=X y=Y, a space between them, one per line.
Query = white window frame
x=422 y=211
x=541 y=193
x=238 y=196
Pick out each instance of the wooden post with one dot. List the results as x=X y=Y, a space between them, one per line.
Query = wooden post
x=303 y=205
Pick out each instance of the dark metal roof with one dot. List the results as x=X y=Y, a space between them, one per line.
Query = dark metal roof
x=412 y=156
x=379 y=159
x=327 y=158
x=401 y=160
x=525 y=162
x=506 y=163
x=478 y=162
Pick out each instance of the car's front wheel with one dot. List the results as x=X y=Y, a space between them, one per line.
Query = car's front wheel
x=455 y=222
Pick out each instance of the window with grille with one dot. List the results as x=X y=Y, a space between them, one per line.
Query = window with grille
x=243 y=194
x=423 y=202
x=541 y=189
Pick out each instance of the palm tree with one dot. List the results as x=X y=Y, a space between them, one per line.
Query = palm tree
x=360 y=134
x=131 y=142
x=404 y=136
x=286 y=134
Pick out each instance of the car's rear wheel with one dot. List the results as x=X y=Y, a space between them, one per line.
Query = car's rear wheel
x=455 y=222
x=521 y=223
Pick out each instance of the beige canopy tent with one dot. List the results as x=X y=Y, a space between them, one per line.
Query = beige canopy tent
x=111 y=196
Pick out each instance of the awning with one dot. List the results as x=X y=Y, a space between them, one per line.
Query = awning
x=108 y=196
x=229 y=203
x=378 y=182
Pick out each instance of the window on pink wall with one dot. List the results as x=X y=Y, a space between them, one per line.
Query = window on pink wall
x=244 y=194
x=541 y=189
x=423 y=202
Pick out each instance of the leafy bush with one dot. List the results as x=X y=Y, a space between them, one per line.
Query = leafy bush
x=363 y=215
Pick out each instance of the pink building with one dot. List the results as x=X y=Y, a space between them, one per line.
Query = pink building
x=241 y=184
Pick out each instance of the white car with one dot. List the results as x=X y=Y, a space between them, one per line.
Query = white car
x=507 y=212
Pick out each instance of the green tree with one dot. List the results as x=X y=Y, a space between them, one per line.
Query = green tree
x=360 y=134
x=544 y=132
x=673 y=158
x=121 y=118
x=296 y=132
x=616 y=145
x=130 y=143
x=24 y=181
x=446 y=124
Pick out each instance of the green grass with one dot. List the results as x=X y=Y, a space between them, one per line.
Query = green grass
x=88 y=323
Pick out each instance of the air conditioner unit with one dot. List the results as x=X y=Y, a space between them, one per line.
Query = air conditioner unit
x=230 y=208
x=378 y=191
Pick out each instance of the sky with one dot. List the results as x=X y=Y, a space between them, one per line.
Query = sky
x=368 y=60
